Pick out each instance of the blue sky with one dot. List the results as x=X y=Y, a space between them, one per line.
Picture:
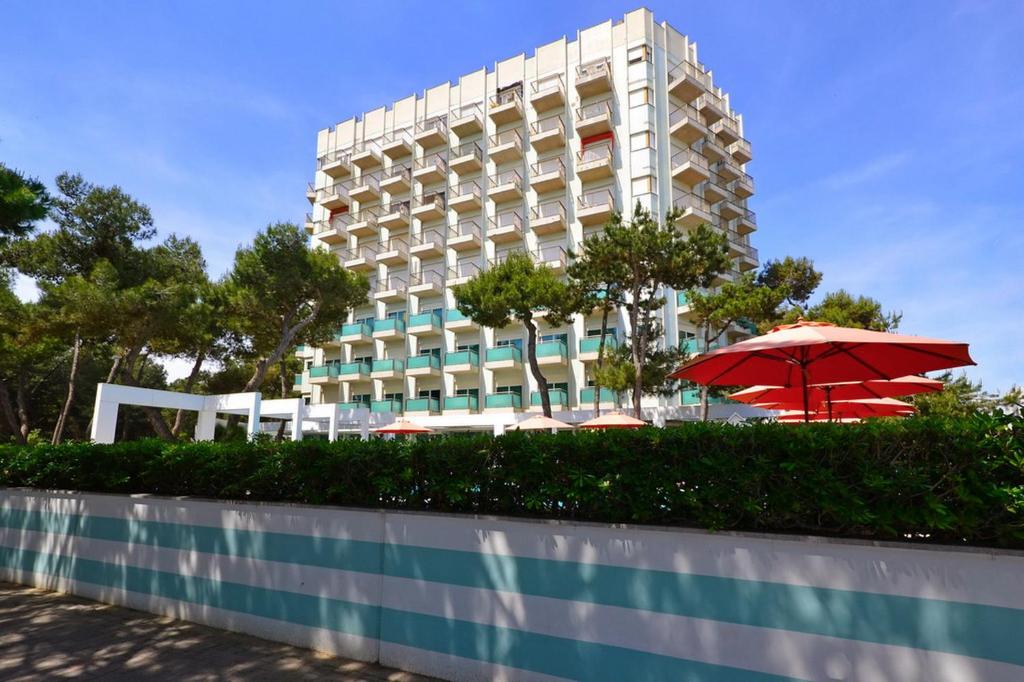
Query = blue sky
x=888 y=136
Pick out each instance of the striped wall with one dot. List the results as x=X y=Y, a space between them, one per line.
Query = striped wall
x=467 y=598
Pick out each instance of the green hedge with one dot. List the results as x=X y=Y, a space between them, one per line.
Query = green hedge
x=915 y=479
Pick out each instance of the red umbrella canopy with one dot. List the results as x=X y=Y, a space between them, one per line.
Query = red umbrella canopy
x=808 y=353
x=871 y=407
x=402 y=426
x=850 y=390
x=615 y=420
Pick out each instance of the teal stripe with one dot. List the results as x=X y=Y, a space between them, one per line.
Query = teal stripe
x=290 y=607
x=954 y=627
x=325 y=552
x=550 y=655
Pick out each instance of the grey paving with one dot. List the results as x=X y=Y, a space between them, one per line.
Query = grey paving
x=47 y=636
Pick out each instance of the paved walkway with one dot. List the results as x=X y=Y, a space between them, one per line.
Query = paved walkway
x=45 y=635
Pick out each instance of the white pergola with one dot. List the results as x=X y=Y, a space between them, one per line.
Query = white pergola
x=109 y=397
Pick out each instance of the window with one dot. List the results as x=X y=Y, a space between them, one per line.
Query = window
x=640 y=53
x=394 y=396
x=396 y=315
x=641 y=97
x=468 y=346
x=436 y=352
x=365 y=359
x=597 y=332
x=558 y=386
x=361 y=398
x=547 y=338
x=309 y=363
x=475 y=392
x=365 y=320
x=518 y=390
x=434 y=393
x=642 y=140
x=516 y=343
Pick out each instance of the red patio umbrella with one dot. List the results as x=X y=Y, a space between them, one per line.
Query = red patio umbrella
x=808 y=353
x=828 y=393
x=402 y=426
x=869 y=407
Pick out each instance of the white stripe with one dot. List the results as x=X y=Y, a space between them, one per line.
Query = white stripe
x=780 y=652
x=448 y=667
x=362 y=588
x=973 y=577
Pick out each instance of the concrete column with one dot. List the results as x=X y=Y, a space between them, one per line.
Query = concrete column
x=499 y=428
x=298 y=413
x=332 y=424
x=104 y=418
x=364 y=423
x=254 y=417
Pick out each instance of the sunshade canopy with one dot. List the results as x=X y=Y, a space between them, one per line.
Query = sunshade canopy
x=539 y=423
x=402 y=426
x=615 y=420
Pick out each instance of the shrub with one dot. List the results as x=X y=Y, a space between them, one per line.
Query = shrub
x=939 y=480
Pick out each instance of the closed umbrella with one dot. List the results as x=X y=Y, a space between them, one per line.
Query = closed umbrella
x=615 y=420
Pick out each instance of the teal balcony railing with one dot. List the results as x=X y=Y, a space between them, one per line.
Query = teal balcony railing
x=323 y=371
x=360 y=328
x=552 y=349
x=498 y=400
x=591 y=344
x=301 y=348
x=607 y=396
x=387 y=365
x=462 y=357
x=389 y=324
x=422 y=405
x=422 y=361
x=425 y=319
x=454 y=315
x=690 y=397
x=352 y=405
x=681 y=298
x=298 y=379
x=557 y=396
x=386 y=406
x=462 y=402
x=504 y=353
x=354 y=368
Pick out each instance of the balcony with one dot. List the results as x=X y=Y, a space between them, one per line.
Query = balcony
x=552 y=353
x=311 y=193
x=547 y=134
x=310 y=224
x=422 y=405
x=467 y=403
x=507 y=186
x=503 y=357
x=334 y=197
x=425 y=324
x=593 y=119
x=356 y=332
x=389 y=328
x=335 y=164
x=503 y=401
x=506 y=146
x=363 y=223
x=387 y=369
x=398 y=147
x=594 y=162
x=388 y=405
x=430 y=169
x=429 y=207
x=505 y=227
x=746 y=223
x=548 y=218
x=462 y=273
x=711 y=150
x=396 y=217
x=558 y=398
x=466 y=197
x=547 y=176
x=547 y=93
x=427 y=244
x=366 y=189
x=590 y=346
x=728 y=169
x=426 y=282
x=363 y=259
x=397 y=180
x=469 y=122
x=695 y=211
x=682 y=302
x=689 y=168
x=390 y=289
x=332 y=233
x=324 y=374
x=353 y=405
x=710 y=107
x=393 y=252
x=729 y=210
x=506 y=107
x=432 y=133
x=467 y=158
x=685 y=125
x=354 y=371
x=714 y=189
x=461 y=362
x=594 y=208
x=740 y=151
x=688 y=81
x=594 y=78
x=366 y=158
x=426 y=365
x=727 y=130
x=456 y=321
x=297 y=382
x=553 y=257
x=465 y=236
x=742 y=187
x=608 y=397
x=748 y=260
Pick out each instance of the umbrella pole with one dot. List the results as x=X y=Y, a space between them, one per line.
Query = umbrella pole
x=828 y=398
x=803 y=380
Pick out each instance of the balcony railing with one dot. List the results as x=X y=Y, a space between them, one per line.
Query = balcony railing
x=543 y=125
x=468 y=149
x=321 y=371
x=550 y=349
x=428 y=237
x=682 y=113
x=554 y=165
x=462 y=402
x=423 y=361
x=467 y=188
x=509 y=177
x=503 y=400
x=463 y=270
x=422 y=405
x=350 y=368
x=684 y=201
x=689 y=156
x=504 y=354
x=433 y=199
x=387 y=365
x=592 y=344
x=389 y=324
x=388 y=284
x=607 y=396
x=547 y=85
x=505 y=137
x=399 y=207
x=694 y=71
x=427 y=277
x=553 y=256
x=594 y=71
x=595 y=199
x=505 y=219
x=465 y=228
x=396 y=245
x=549 y=209
x=357 y=328
x=423 y=320
x=389 y=405
x=594 y=110
x=599 y=152
x=510 y=96
x=332 y=157
x=462 y=357
x=557 y=396
x=437 y=123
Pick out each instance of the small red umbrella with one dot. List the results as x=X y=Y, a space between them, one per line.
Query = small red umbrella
x=870 y=407
x=808 y=353
x=539 y=423
x=615 y=420
x=828 y=393
x=402 y=426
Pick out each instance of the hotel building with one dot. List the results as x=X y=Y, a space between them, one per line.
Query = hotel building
x=533 y=154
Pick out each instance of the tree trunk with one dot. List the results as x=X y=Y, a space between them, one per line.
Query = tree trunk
x=635 y=346
x=704 y=406
x=197 y=367
x=288 y=335
x=58 y=430
x=9 y=416
x=284 y=389
x=531 y=354
x=600 y=358
x=22 y=402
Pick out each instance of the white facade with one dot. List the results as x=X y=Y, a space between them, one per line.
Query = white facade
x=533 y=154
